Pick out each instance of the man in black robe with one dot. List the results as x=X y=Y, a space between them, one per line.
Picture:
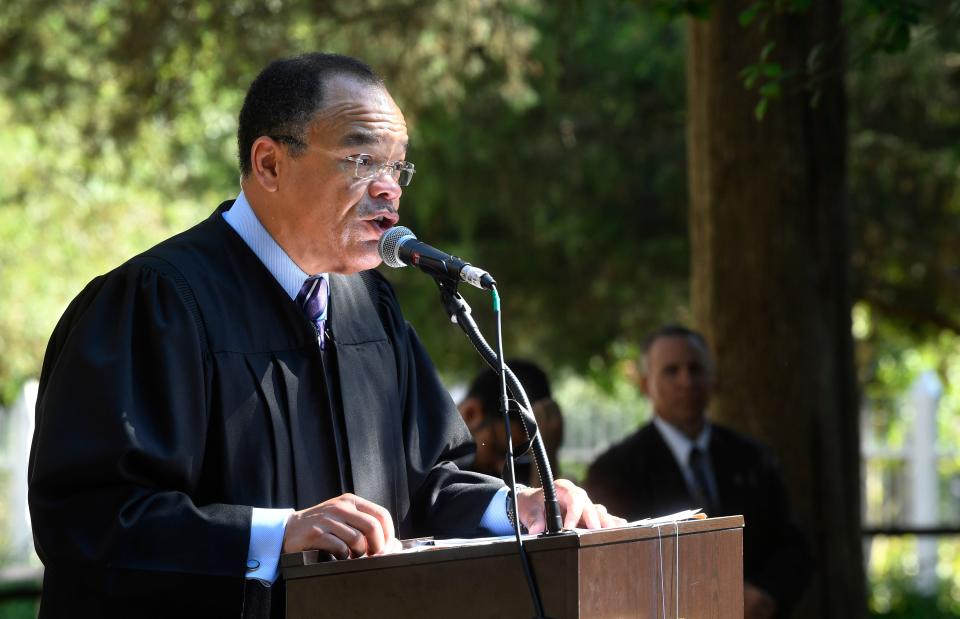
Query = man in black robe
x=681 y=461
x=193 y=422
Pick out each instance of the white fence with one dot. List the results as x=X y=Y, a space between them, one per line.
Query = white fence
x=915 y=483
x=16 y=432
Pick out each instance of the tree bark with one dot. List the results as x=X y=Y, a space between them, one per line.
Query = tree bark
x=769 y=280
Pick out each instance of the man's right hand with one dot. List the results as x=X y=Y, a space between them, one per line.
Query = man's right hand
x=345 y=526
x=757 y=603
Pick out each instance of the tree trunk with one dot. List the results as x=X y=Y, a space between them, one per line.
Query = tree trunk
x=770 y=280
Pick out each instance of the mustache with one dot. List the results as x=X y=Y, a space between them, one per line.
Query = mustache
x=372 y=207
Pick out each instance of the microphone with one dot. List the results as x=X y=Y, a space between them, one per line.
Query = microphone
x=399 y=247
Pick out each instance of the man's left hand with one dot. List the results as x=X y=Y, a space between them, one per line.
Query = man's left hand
x=575 y=507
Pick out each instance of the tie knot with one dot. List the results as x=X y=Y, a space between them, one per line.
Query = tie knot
x=696 y=456
x=312 y=299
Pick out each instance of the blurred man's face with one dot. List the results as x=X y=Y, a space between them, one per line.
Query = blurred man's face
x=678 y=379
x=490 y=436
x=491 y=439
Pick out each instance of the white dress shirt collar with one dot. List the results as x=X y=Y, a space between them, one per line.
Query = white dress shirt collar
x=242 y=219
x=679 y=443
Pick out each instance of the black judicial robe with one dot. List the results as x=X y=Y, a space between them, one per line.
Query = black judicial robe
x=185 y=387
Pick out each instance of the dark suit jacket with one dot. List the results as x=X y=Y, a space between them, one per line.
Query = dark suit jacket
x=640 y=478
x=185 y=387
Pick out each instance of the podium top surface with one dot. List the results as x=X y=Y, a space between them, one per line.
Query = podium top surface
x=311 y=563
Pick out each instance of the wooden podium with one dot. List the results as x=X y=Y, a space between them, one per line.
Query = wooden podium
x=618 y=573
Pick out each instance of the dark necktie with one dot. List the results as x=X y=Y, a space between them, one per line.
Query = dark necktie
x=312 y=299
x=698 y=466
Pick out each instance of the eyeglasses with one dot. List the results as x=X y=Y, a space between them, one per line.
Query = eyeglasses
x=365 y=166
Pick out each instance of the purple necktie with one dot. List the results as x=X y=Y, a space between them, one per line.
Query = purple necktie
x=312 y=299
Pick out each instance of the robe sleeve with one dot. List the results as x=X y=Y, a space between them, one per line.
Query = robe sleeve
x=120 y=434
x=445 y=499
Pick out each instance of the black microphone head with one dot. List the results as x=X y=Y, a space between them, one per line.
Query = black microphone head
x=390 y=243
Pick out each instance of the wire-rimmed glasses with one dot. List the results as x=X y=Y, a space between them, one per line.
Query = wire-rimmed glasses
x=365 y=166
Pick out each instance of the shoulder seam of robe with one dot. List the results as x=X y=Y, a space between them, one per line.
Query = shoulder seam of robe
x=184 y=290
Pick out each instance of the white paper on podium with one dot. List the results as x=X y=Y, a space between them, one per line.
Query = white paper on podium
x=686 y=514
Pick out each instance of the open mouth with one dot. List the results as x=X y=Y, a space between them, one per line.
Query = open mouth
x=384 y=222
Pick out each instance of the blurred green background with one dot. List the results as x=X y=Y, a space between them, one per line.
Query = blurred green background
x=549 y=139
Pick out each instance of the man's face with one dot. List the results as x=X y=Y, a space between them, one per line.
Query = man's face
x=333 y=221
x=491 y=439
x=678 y=380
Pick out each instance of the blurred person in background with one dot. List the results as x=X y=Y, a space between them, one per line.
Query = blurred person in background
x=681 y=460
x=480 y=409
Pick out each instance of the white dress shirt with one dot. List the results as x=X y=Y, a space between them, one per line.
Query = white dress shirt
x=680 y=446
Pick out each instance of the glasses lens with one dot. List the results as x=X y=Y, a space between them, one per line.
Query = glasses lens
x=405 y=174
x=366 y=168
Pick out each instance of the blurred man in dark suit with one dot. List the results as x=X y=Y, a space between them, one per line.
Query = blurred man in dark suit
x=680 y=460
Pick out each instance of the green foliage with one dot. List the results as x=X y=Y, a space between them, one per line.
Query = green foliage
x=908 y=603
x=892 y=21
x=874 y=27
x=890 y=359
x=761 y=12
x=546 y=135
x=577 y=202
x=766 y=76
x=699 y=9
x=549 y=139
x=596 y=413
x=904 y=200
x=549 y=142
x=893 y=569
x=19 y=609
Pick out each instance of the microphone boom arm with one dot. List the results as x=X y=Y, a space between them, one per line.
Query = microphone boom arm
x=459 y=312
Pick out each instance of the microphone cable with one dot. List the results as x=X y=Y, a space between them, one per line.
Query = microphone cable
x=505 y=409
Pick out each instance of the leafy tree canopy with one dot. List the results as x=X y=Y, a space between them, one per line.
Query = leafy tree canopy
x=548 y=139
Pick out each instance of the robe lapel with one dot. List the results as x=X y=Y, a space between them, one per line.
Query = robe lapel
x=369 y=392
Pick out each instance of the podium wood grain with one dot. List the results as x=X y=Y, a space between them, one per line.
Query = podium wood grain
x=615 y=574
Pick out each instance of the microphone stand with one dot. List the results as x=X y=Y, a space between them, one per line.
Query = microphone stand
x=460 y=314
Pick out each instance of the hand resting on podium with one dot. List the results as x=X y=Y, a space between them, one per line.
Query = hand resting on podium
x=345 y=526
x=349 y=526
x=577 y=509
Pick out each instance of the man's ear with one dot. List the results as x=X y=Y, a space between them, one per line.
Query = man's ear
x=644 y=383
x=472 y=412
x=265 y=157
